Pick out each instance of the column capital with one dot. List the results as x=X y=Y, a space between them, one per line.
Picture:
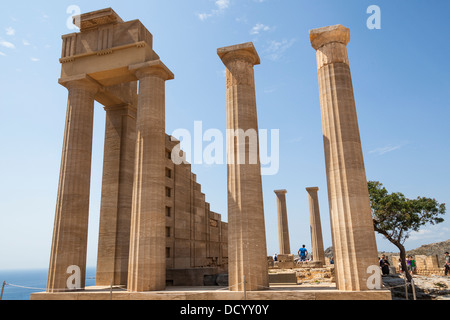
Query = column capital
x=280 y=192
x=312 y=189
x=82 y=81
x=152 y=68
x=245 y=51
x=323 y=36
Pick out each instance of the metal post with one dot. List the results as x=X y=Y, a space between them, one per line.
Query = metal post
x=3 y=287
x=413 y=289
x=406 y=288
x=111 y=289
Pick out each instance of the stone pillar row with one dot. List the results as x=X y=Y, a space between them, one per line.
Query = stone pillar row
x=69 y=246
x=132 y=238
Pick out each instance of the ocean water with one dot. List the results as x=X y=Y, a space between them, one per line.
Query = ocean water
x=33 y=280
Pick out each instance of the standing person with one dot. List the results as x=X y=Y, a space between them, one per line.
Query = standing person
x=413 y=265
x=275 y=257
x=384 y=264
x=447 y=263
x=302 y=252
x=408 y=265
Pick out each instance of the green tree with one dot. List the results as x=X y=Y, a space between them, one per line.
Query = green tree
x=395 y=216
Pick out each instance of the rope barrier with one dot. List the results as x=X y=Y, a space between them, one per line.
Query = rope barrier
x=24 y=287
x=124 y=289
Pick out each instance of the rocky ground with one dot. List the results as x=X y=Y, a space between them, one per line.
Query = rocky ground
x=426 y=287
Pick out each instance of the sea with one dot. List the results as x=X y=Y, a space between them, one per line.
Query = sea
x=20 y=284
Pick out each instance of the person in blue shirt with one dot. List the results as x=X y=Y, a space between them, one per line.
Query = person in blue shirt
x=302 y=252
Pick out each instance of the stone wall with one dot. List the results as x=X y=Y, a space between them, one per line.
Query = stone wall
x=425 y=265
x=196 y=236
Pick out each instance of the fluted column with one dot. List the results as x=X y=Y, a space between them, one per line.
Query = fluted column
x=247 y=251
x=316 y=225
x=283 y=226
x=117 y=190
x=147 y=261
x=69 y=246
x=351 y=220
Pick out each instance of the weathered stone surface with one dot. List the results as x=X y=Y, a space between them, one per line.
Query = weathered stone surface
x=283 y=224
x=69 y=246
x=354 y=241
x=283 y=278
x=318 y=252
x=247 y=238
x=153 y=216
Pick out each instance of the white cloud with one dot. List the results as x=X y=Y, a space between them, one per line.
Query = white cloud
x=7 y=44
x=35 y=59
x=10 y=31
x=432 y=233
x=204 y=16
x=221 y=6
x=259 y=27
x=384 y=150
x=2 y=54
x=25 y=42
x=276 y=49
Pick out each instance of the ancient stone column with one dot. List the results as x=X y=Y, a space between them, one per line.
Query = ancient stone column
x=354 y=241
x=69 y=246
x=316 y=226
x=247 y=251
x=147 y=261
x=117 y=190
x=283 y=226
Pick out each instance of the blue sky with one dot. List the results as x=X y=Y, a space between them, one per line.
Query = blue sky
x=400 y=77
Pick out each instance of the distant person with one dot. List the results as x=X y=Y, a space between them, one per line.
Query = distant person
x=332 y=260
x=408 y=264
x=413 y=265
x=447 y=263
x=275 y=257
x=302 y=252
x=384 y=264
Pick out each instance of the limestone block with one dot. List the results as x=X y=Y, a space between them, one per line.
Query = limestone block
x=285 y=278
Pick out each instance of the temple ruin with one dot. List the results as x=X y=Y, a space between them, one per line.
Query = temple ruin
x=156 y=228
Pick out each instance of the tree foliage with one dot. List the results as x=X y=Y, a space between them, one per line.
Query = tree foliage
x=396 y=216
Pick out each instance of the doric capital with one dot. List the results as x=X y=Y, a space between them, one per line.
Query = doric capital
x=152 y=68
x=323 y=36
x=312 y=189
x=280 y=192
x=244 y=52
x=82 y=81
